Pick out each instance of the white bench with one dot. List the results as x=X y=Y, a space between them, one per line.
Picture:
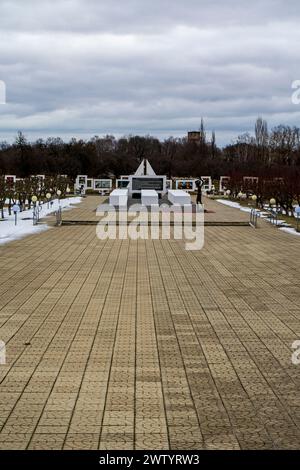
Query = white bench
x=149 y=197
x=178 y=196
x=118 y=197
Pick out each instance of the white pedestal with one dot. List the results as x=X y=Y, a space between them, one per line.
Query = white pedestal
x=149 y=197
x=118 y=197
x=178 y=196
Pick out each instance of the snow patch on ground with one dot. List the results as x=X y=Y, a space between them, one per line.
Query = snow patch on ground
x=290 y=230
x=236 y=205
x=9 y=231
x=283 y=225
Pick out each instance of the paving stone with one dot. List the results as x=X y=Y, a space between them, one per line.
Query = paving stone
x=124 y=344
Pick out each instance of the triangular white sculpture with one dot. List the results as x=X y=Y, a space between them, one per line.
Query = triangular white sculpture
x=140 y=170
x=145 y=169
x=149 y=169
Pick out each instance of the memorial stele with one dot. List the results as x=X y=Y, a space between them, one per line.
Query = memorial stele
x=146 y=178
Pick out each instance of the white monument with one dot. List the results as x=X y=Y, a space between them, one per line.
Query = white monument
x=149 y=197
x=146 y=179
x=81 y=183
x=179 y=197
x=118 y=197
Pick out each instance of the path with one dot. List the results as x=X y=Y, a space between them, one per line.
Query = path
x=125 y=344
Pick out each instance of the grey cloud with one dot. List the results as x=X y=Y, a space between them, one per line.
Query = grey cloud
x=122 y=16
x=85 y=67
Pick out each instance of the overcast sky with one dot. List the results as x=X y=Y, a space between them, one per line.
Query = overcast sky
x=86 y=67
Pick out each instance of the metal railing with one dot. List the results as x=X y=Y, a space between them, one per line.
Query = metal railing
x=36 y=214
x=273 y=216
x=253 y=218
x=58 y=214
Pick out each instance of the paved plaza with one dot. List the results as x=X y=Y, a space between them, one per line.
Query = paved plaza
x=123 y=344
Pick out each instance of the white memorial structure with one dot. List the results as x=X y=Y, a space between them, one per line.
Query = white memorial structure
x=149 y=197
x=84 y=183
x=186 y=184
x=145 y=179
x=179 y=197
x=189 y=185
x=224 y=180
x=145 y=185
x=119 y=197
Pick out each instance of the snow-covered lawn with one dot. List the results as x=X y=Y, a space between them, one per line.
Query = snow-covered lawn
x=285 y=227
x=290 y=230
x=236 y=205
x=9 y=231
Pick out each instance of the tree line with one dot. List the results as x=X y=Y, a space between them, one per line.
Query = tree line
x=22 y=191
x=100 y=157
x=284 y=190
